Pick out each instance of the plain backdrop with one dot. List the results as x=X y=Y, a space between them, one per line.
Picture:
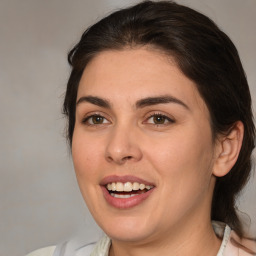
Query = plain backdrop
x=40 y=203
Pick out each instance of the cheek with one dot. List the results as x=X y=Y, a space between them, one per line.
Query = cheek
x=183 y=157
x=86 y=154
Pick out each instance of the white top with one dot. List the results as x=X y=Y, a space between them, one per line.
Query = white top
x=101 y=248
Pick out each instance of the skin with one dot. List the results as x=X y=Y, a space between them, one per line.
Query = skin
x=178 y=156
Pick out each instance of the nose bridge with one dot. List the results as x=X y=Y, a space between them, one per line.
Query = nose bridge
x=123 y=144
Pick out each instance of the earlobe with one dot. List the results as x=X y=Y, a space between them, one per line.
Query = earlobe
x=228 y=149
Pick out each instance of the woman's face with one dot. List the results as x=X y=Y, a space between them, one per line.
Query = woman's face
x=142 y=145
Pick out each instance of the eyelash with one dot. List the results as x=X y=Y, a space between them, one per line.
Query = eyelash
x=167 y=120
x=165 y=117
x=87 y=118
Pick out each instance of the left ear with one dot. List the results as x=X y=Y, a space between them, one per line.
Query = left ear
x=227 y=150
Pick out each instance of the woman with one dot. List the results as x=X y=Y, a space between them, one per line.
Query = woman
x=161 y=131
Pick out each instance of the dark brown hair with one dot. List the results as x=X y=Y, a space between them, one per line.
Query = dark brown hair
x=204 y=54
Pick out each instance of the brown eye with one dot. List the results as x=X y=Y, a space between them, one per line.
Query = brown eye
x=159 y=119
x=95 y=120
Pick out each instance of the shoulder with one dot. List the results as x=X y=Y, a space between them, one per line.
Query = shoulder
x=47 y=251
x=69 y=248
x=232 y=244
x=242 y=246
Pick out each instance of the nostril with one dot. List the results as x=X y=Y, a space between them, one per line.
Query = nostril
x=127 y=158
x=109 y=158
x=120 y=160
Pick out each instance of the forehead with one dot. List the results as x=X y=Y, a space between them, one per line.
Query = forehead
x=132 y=74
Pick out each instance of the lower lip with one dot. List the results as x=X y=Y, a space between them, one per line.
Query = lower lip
x=124 y=203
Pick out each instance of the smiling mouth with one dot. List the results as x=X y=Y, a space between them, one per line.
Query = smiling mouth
x=127 y=189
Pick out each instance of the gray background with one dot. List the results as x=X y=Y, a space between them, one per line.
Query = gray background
x=40 y=203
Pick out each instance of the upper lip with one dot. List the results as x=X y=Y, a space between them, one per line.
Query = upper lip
x=126 y=178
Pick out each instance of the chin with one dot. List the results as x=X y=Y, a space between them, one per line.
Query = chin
x=134 y=235
x=130 y=229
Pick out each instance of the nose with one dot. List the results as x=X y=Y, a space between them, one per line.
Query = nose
x=123 y=146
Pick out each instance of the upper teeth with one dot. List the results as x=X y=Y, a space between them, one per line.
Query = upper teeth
x=127 y=186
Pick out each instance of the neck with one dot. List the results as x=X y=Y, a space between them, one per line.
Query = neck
x=197 y=241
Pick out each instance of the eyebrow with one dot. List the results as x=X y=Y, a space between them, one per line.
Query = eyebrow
x=149 y=101
x=95 y=101
x=159 y=100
